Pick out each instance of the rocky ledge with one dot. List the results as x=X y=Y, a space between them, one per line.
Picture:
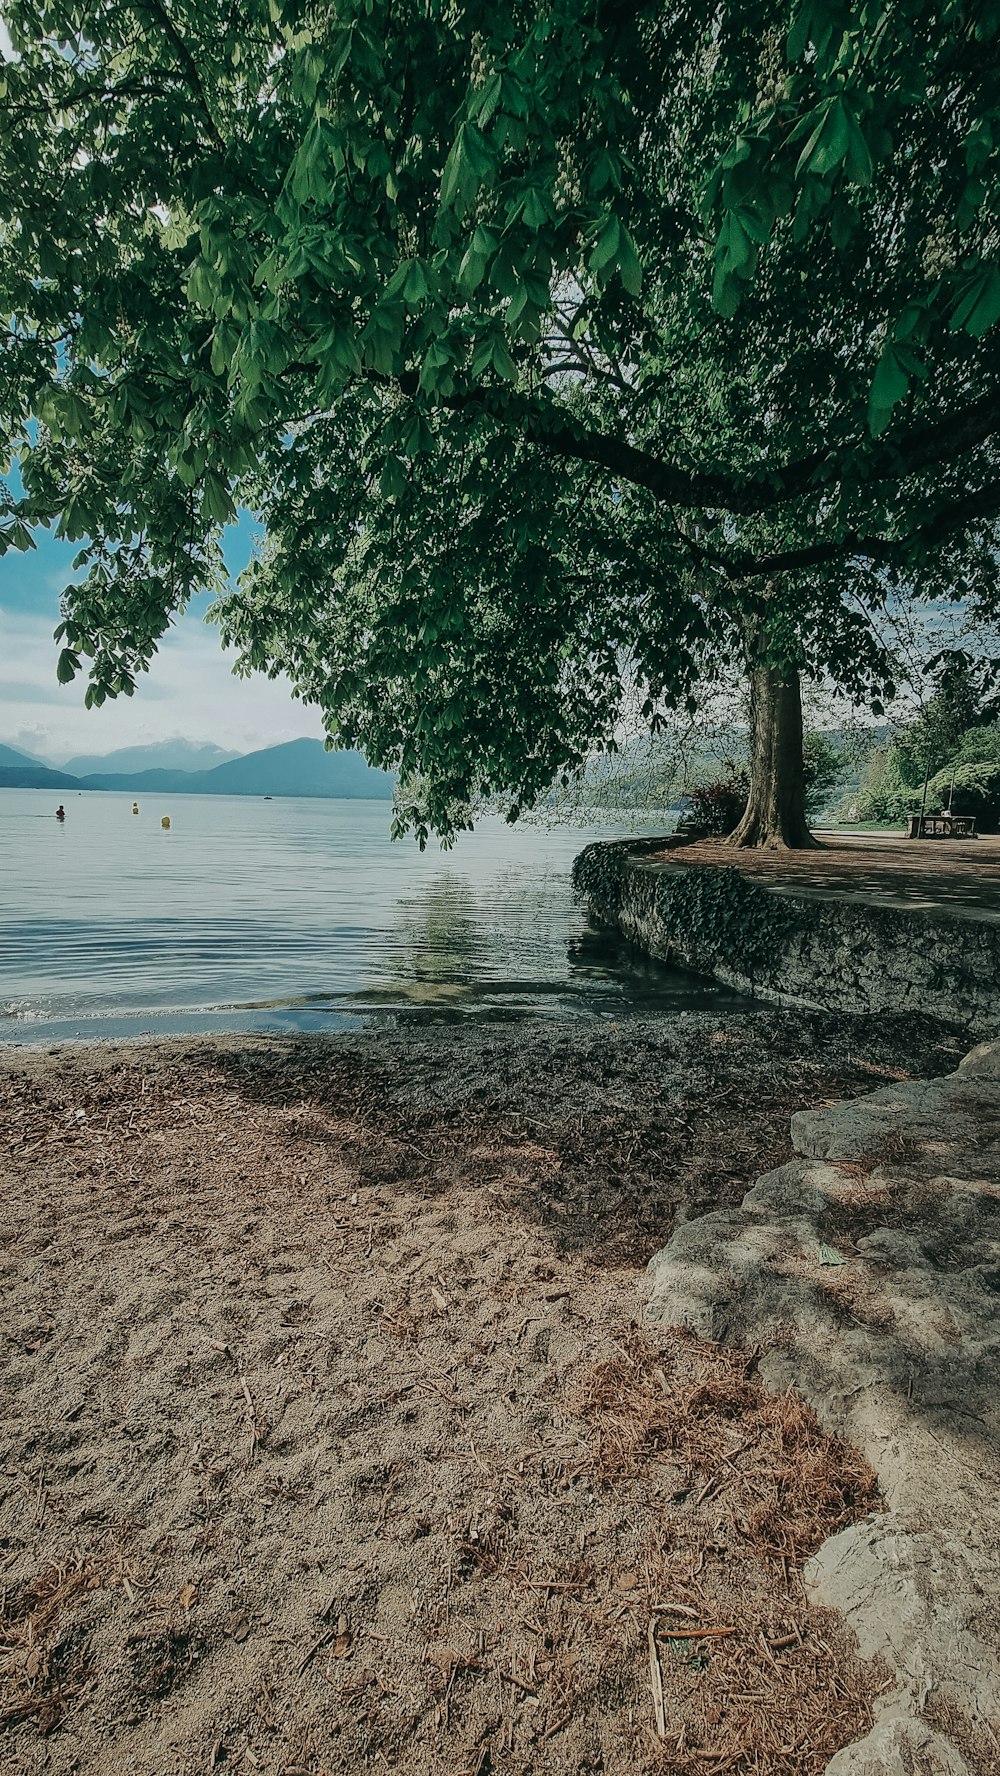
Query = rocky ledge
x=841 y=944
x=867 y=1273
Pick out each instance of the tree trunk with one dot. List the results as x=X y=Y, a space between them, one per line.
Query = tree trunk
x=775 y=816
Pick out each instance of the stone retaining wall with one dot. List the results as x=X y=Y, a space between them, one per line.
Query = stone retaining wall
x=793 y=947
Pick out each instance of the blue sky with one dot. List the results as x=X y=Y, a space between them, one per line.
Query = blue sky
x=189 y=691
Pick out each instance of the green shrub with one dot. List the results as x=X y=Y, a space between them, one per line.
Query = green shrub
x=824 y=766
x=977 y=746
x=713 y=809
x=884 y=793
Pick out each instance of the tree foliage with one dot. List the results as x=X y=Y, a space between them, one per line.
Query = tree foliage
x=955 y=735
x=971 y=787
x=557 y=348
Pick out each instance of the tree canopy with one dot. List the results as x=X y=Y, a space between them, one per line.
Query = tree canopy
x=563 y=351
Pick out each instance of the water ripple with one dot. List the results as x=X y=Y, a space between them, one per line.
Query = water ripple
x=293 y=914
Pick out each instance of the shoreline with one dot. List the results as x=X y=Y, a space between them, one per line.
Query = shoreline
x=702 y=1102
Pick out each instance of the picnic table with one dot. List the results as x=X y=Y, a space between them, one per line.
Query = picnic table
x=942 y=826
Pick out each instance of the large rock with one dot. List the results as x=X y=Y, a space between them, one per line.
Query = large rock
x=869 y=1270
x=915 y=1599
x=898 y=1745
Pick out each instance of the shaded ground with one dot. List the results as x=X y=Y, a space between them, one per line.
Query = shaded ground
x=330 y=1442
x=868 y=1269
x=940 y=875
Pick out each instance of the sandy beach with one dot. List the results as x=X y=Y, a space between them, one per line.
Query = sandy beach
x=331 y=1437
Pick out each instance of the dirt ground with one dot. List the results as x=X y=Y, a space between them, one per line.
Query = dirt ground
x=939 y=875
x=331 y=1442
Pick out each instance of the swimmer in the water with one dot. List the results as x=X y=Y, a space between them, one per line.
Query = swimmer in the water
x=60 y=812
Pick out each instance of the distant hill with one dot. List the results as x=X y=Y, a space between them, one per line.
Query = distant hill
x=30 y=776
x=9 y=755
x=167 y=782
x=304 y=768
x=163 y=755
x=298 y=768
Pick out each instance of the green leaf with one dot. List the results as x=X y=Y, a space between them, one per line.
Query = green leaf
x=536 y=209
x=800 y=32
x=215 y=501
x=468 y=164
x=471 y=271
x=736 y=243
x=482 y=357
x=629 y=267
x=829 y=1254
x=436 y=371
x=67 y=666
x=607 y=244
x=415 y=287
x=203 y=285
x=505 y=275
x=392 y=482
x=517 y=305
x=224 y=342
x=17 y=536
x=604 y=171
x=912 y=321
x=489 y=98
x=830 y=141
x=503 y=363
x=735 y=259
x=310 y=168
x=859 y=160
x=451 y=177
x=890 y=385
x=978 y=307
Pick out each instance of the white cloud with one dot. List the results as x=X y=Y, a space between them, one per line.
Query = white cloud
x=190 y=691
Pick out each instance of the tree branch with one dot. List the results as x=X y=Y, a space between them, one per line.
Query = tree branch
x=982 y=505
x=190 y=67
x=905 y=451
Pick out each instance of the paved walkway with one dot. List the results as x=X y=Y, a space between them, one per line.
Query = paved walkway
x=958 y=876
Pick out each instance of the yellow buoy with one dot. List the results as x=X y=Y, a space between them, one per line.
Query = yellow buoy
x=165 y=822
x=135 y=807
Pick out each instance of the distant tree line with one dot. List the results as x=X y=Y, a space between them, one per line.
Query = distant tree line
x=948 y=755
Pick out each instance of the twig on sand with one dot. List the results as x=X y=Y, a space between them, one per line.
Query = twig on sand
x=317 y=1647
x=656 y=1681
x=696 y=1633
x=255 y=1436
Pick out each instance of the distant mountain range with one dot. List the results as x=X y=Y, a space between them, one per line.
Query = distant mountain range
x=30 y=775
x=165 y=755
x=298 y=768
x=17 y=760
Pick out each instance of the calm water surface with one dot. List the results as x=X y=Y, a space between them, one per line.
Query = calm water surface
x=293 y=915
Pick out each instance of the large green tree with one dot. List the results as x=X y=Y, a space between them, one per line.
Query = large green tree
x=566 y=353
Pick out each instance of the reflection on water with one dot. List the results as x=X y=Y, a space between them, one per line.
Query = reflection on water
x=294 y=915
x=439 y=939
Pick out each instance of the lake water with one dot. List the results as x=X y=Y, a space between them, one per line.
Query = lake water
x=294 y=915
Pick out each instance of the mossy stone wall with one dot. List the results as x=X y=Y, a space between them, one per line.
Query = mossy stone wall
x=796 y=948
